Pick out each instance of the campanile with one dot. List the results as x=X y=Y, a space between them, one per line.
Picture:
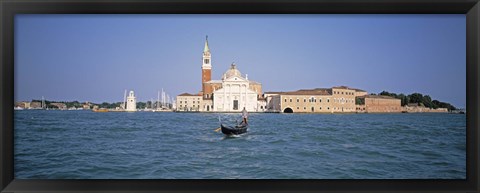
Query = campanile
x=206 y=66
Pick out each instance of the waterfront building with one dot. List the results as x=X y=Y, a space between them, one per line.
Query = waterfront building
x=188 y=102
x=23 y=105
x=231 y=93
x=235 y=93
x=379 y=104
x=86 y=105
x=35 y=105
x=131 y=102
x=319 y=100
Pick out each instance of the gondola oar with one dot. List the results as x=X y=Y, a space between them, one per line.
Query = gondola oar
x=220 y=122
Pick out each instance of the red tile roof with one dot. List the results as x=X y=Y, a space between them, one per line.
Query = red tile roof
x=188 y=94
x=316 y=91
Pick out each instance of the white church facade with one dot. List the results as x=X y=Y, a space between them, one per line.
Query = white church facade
x=235 y=93
x=231 y=93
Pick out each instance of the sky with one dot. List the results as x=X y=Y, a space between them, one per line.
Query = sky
x=97 y=57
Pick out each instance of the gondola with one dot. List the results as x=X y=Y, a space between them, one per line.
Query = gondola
x=235 y=130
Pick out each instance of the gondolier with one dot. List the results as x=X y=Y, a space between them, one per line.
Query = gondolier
x=245 y=115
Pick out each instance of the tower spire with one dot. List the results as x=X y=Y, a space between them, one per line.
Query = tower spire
x=206 y=49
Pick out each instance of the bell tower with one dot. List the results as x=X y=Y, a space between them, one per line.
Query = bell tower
x=206 y=66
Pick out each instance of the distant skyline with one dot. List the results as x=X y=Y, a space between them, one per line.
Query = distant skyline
x=96 y=57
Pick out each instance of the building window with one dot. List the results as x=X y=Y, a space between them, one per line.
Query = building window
x=180 y=102
x=298 y=100
x=304 y=100
x=290 y=100
x=304 y=108
x=180 y=106
x=285 y=100
x=320 y=100
x=320 y=108
x=328 y=108
x=235 y=104
x=328 y=100
x=298 y=107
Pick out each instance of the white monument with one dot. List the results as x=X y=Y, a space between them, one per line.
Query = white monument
x=131 y=102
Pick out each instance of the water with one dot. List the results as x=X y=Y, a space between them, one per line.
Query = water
x=146 y=145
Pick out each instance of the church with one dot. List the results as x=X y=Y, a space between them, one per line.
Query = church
x=233 y=92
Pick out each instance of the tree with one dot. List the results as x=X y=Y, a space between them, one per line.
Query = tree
x=403 y=98
x=141 y=105
x=418 y=99
x=427 y=101
x=415 y=98
x=439 y=104
x=359 y=101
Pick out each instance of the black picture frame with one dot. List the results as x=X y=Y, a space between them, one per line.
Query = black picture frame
x=9 y=8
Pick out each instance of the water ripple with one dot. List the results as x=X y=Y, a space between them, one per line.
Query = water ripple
x=87 y=145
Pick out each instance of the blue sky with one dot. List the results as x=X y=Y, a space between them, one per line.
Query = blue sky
x=96 y=57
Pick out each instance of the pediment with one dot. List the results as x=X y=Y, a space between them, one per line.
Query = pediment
x=236 y=79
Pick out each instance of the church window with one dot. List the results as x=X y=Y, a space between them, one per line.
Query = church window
x=235 y=104
x=207 y=61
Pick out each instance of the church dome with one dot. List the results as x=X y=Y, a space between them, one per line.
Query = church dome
x=233 y=71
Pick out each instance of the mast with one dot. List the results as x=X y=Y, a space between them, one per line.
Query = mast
x=168 y=101
x=163 y=98
x=43 y=102
x=125 y=100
